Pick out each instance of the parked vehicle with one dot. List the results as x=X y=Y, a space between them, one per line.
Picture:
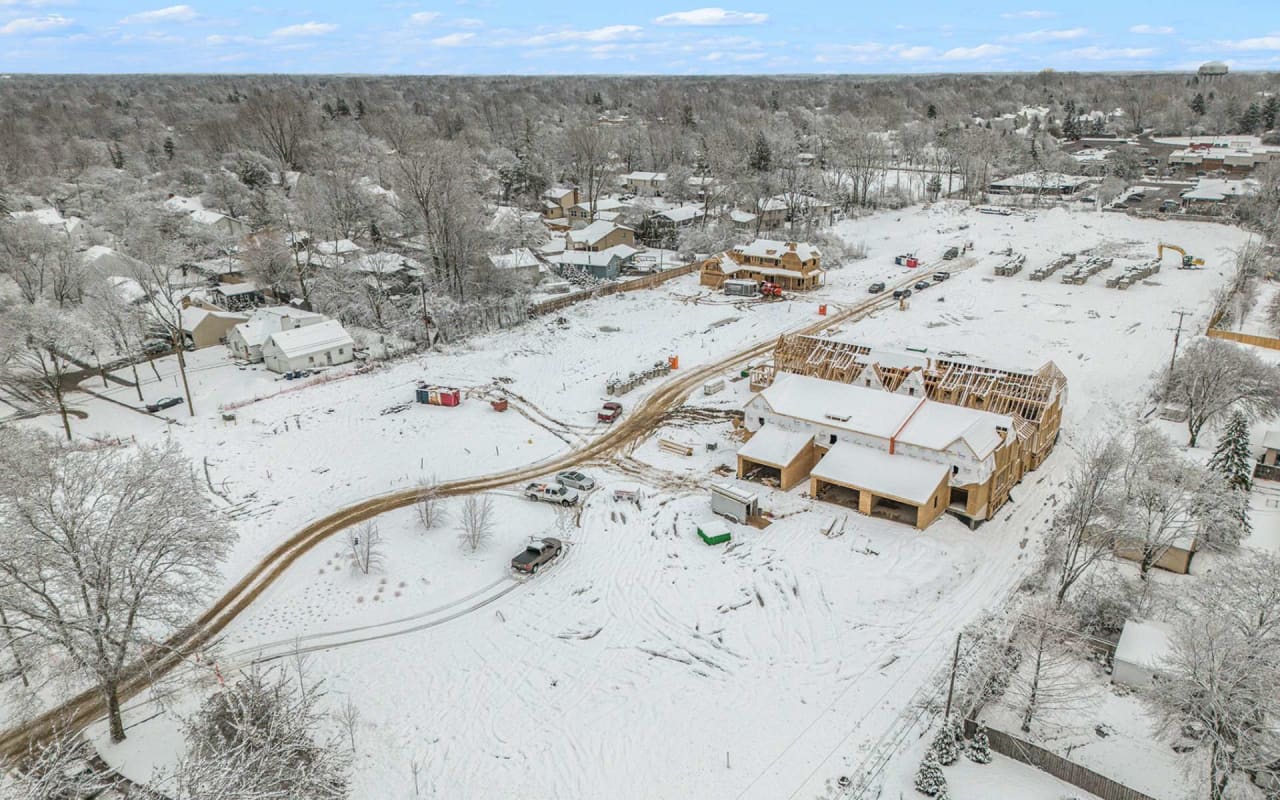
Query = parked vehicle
x=876 y=288
x=163 y=403
x=922 y=285
x=539 y=552
x=551 y=493
x=770 y=289
x=901 y=294
x=609 y=412
x=940 y=276
x=1168 y=206
x=952 y=252
x=576 y=480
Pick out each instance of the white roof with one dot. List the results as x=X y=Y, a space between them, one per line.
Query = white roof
x=741 y=495
x=774 y=446
x=339 y=247
x=876 y=412
x=1271 y=440
x=127 y=289
x=682 y=213
x=585 y=258
x=557 y=192
x=1042 y=180
x=519 y=258
x=648 y=177
x=266 y=321
x=1220 y=189
x=192 y=316
x=772 y=248
x=235 y=289
x=1146 y=644
x=311 y=339
x=898 y=476
x=741 y=216
x=384 y=264
x=594 y=232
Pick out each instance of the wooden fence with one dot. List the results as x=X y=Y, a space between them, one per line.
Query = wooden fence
x=1269 y=342
x=643 y=282
x=1057 y=766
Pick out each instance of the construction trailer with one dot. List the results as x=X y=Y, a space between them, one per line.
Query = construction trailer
x=733 y=503
x=438 y=395
x=739 y=287
x=1032 y=401
x=908 y=260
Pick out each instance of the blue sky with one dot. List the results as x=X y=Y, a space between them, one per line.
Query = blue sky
x=641 y=36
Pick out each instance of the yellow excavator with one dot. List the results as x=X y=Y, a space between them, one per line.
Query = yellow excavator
x=1188 y=262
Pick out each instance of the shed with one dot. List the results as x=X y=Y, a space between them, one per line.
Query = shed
x=321 y=345
x=1144 y=647
x=784 y=455
x=736 y=504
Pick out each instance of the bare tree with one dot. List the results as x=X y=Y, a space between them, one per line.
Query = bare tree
x=104 y=549
x=121 y=324
x=430 y=507
x=1220 y=680
x=37 y=345
x=259 y=739
x=477 y=521
x=278 y=120
x=1049 y=678
x=54 y=769
x=348 y=718
x=1083 y=530
x=365 y=543
x=1213 y=376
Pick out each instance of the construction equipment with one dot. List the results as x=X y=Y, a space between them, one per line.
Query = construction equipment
x=1188 y=262
x=770 y=289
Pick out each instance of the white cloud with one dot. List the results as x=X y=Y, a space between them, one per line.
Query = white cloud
x=23 y=25
x=1048 y=35
x=1095 y=53
x=453 y=40
x=1029 y=14
x=973 y=53
x=1271 y=42
x=1161 y=30
x=609 y=33
x=169 y=14
x=304 y=29
x=712 y=16
x=424 y=17
x=911 y=52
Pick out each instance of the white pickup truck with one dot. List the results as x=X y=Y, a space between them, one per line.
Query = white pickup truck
x=551 y=493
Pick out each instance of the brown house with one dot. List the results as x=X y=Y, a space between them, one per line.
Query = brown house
x=600 y=236
x=791 y=265
x=557 y=201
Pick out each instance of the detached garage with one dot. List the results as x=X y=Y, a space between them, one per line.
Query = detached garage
x=1143 y=650
x=772 y=453
x=878 y=484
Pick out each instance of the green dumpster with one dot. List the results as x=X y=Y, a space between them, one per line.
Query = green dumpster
x=714 y=533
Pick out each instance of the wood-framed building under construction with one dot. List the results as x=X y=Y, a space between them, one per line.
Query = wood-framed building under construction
x=1031 y=401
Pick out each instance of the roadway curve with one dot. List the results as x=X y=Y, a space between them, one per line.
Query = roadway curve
x=88 y=706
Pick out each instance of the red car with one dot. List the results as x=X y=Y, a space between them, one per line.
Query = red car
x=609 y=412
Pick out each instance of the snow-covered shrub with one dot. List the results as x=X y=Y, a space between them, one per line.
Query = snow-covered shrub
x=979 y=749
x=944 y=746
x=929 y=778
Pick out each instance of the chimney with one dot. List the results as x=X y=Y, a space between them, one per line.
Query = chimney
x=791 y=246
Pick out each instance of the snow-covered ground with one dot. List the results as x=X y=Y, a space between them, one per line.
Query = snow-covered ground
x=645 y=663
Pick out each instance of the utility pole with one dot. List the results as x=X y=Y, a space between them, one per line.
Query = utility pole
x=1177 y=334
x=955 y=665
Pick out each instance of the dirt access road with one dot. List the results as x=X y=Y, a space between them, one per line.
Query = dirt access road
x=89 y=706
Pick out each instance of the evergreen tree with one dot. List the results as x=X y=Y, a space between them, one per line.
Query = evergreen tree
x=1198 y=105
x=686 y=117
x=375 y=235
x=929 y=778
x=934 y=187
x=944 y=746
x=359 y=109
x=1251 y=119
x=979 y=750
x=760 y=159
x=1070 y=120
x=956 y=728
x=168 y=147
x=1232 y=457
x=1270 y=111
x=1099 y=126
x=116 y=155
x=932 y=112
x=342 y=109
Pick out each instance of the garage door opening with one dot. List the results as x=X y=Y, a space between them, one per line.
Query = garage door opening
x=884 y=508
x=839 y=495
x=762 y=473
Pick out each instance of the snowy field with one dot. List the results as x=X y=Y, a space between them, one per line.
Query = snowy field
x=644 y=663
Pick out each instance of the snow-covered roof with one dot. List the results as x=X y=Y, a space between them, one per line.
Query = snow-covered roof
x=519 y=258
x=1041 y=180
x=774 y=446
x=127 y=289
x=741 y=217
x=49 y=217
x=311 y=339
x=266 y=321
x=594 y=232
x=682 y=213
x=587 y=258
x=884 y=415
x=558 y=192
x=384 y=264
x=1146 y=644
x=1218 y=189
x=192 y=316
x=1271 y=440
x=644 y=177
x=193 y=206
x=338 y=247
x=772 y=248
x=236 y=289
x=896 y=476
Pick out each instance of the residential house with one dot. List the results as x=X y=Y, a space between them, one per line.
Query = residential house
x=1211 y=195
x=801 y=207
x=1040 y=183
x=336 y=252
x=770 y=213
x=520 y=263
x=678 y=217
x=385 y=271
x=77 y=231
x=324 y=344
x=246 y=339
x=205 y=218
x=791 y=265
x=557 y=201
x=604 y=205
x=644 y=184
x=602 y=265
x=206 y=325
x=742 y=220
x=237 y=296
x=600 y=235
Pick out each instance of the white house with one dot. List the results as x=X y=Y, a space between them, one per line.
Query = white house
x=1144 y=647
x=322 y=345
x=76 y=230
x=644 y=183
x=521 y=263
x=206 y=218
x=247 y=338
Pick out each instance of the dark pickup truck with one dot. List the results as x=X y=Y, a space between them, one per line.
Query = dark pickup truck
x=536 y=554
